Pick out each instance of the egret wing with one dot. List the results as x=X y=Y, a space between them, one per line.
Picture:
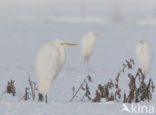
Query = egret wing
x=46 y=67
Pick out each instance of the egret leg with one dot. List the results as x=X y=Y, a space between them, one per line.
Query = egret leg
x=40 y=97
x=46 y=99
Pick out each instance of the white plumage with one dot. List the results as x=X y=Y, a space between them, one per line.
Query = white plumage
x=88 y=43
x=50 y=60
x=144 y=56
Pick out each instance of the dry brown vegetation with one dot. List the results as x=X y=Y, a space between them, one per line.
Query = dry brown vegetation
x=10 y=89
x=139 y=90
x=29 y=91
x=83 y=87
x=136 y=94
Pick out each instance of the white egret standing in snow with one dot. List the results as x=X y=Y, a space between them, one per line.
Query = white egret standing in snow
x=50 y=60
x=144 y=56
x=87 y=46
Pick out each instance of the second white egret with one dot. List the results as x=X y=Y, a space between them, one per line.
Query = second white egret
x=87 y=46
x=144 y=56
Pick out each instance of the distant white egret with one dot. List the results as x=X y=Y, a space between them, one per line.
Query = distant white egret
x=87 y=45
x=50 y=60
x=144 y=56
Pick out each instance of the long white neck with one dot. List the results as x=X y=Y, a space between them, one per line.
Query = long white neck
x=91 y=38
x=62 y=55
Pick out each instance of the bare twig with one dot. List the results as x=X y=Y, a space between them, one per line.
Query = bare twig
x=32 y=89
x=84 y=88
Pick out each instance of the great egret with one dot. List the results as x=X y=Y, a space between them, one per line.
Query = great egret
x=50 y=60
x=87 y=47
x=144 y=56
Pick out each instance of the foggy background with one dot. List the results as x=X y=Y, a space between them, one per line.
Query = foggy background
x=97 y=11
x=26 y=25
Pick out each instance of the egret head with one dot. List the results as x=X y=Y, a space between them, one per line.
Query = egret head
x=141 y=41
x=94 y=34
x=58 y=42
x=62 y=43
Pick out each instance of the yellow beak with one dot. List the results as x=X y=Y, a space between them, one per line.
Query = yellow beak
x=69 y=44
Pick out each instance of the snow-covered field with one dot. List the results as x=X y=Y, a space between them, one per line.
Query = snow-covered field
x=22 y=36
x=20 y=42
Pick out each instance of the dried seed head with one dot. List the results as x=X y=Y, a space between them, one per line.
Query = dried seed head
x=89 y=78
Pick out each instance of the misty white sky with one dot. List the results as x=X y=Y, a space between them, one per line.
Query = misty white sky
x=72 y=7
x=7 y=5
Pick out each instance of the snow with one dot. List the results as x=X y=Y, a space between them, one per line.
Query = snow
x=20 y=42
x=59 y=109
x=23 y=33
